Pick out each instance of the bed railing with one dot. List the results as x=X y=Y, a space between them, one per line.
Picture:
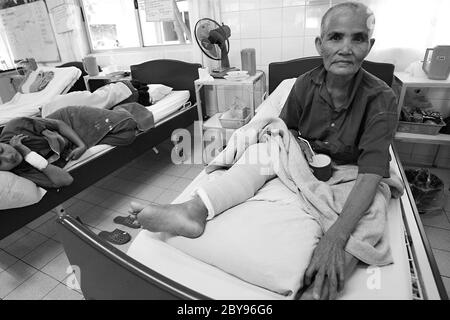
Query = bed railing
x=105 y=272
x=430 y=281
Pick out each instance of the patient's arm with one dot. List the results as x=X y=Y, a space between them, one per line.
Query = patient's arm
x=70 y=134
x=327 y=270
x=58 y=176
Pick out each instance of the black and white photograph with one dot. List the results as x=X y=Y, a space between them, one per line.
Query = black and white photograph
x=246 y=151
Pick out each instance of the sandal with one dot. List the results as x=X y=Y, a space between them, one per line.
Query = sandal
x=127 y=222
x=79 y=220
x=116 y=237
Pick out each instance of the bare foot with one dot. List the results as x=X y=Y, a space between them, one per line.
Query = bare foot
x=186 y=219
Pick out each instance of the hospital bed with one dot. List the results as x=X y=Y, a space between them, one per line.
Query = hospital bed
x=177 y=110
x=152 y=269
x=27 y=104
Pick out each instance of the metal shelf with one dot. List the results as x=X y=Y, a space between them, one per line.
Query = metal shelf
x=440 y=139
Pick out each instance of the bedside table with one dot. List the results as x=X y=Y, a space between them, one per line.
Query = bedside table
x=102 y=79
x=216 y=96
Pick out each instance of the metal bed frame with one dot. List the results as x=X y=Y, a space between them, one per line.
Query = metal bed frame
x=176 y=74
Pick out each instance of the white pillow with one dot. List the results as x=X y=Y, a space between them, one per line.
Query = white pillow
x=267 y=241
x=157 y=92
x=18 y=192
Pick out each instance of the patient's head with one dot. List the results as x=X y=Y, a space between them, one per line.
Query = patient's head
x=9 y=157
x=346 y=37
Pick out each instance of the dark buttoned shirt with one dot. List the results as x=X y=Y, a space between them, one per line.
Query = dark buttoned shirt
x=359 y=133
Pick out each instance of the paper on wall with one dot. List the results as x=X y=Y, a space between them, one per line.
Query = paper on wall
x=63 y=18
x=55 y=3
x=29 y=32
x=159 y=10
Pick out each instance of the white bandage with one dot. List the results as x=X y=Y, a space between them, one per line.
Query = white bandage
x=36 y=160
x=205 y=199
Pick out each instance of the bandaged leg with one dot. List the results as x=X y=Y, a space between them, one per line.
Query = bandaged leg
x=188 y=219
x=240 y=182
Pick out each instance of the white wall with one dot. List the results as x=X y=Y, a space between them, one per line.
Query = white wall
x=280 y=30
x=285 y=29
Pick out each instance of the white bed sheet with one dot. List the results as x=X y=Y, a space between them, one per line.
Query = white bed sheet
x=26 y=105
x=162 y=109
x=388 y=282
x=169 y=104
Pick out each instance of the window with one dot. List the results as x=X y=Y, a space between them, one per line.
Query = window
x=5 y=57
x=123 y=24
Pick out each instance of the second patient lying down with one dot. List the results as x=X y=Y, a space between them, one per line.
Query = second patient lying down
x=38 y=148
x=344 y=112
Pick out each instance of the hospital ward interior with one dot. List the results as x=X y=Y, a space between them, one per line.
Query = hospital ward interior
x=224 y=149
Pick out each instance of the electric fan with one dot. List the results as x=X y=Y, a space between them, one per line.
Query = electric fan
x=212 y=39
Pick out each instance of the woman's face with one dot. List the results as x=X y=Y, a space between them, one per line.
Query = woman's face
x=345 y=43
x=9 y=157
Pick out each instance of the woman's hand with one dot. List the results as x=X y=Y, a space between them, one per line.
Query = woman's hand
x=325 y=273
x=16 y=142
x=76 y=153
x=72 y=136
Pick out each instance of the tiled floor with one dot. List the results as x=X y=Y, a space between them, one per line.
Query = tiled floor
x=33 y=264
x=437 y=228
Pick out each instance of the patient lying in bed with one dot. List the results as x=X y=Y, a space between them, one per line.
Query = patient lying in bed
x=344 y=112
x=38 y=148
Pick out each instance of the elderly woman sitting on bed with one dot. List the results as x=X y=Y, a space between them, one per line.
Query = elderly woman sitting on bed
x=38 y=148
x=344 y=112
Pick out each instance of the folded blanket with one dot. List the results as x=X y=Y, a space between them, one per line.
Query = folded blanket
x=323 y=200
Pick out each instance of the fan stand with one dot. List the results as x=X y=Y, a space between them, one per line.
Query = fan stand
x=224 y=65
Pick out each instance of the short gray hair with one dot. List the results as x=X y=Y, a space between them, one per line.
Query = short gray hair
x=355 y=7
